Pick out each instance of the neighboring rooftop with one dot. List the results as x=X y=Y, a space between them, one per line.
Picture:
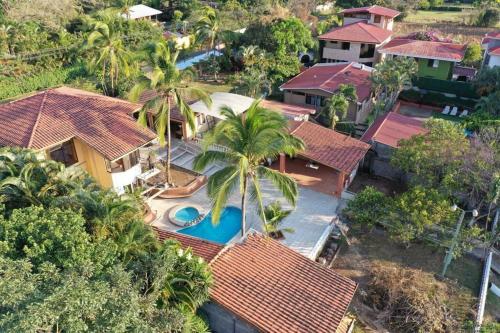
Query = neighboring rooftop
x=238 y=103
x=279 y=290
x=329 y=76
x=202 y=248
x=377 y=10
x=392 y=127
x=328 y=147
x=489 y=36
x=56 y=115
x=425 y=49
x=494 y=51
x=288 y=109
x=360 y=32
x=141 y=11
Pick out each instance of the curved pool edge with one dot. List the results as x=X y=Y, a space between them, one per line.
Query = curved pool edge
x=172 y=212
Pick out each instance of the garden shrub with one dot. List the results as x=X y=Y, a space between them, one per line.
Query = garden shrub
x=368 y=207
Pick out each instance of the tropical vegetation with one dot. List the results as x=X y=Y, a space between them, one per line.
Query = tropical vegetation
x=76 y=257
x=337 y=105
x=170 y=89
x=250 y=139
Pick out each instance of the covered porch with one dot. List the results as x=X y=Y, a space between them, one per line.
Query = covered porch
x=314 y=176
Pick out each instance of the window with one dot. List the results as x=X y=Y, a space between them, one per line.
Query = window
x=367 y=51
x=377 y=19
x=134 y=157
x=433 y=63
x=346 y=45
x=64 y=153
x=314 y=100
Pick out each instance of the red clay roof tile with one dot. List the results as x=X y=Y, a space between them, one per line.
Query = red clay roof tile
x=277 y=289
x=56 y=115
x=375 y=9
x=425 y=49
x=202 y=248
x=330 y=148
x=328 y=77
x=392 y=127
x=360 y=32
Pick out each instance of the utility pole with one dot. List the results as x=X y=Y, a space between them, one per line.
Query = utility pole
x=449 y=254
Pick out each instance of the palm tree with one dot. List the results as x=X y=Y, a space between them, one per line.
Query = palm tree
x=208 y=27
x=110 y=53
x=337 y=105
x=250 y=138
x=275 y=215
x=168 y=82
x=393 y=76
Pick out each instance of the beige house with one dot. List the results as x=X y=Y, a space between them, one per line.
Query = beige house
x=316 y=84
x=79 y=129
x=363 y=31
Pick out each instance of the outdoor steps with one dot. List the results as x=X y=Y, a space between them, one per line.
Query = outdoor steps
x=183 y=159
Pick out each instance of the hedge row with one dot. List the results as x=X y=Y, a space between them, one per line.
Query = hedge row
x=11 y=87
x=459 y=88
x=436 y=99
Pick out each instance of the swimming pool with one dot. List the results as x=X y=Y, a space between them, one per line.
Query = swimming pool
x=187 y=214
x=228 y=226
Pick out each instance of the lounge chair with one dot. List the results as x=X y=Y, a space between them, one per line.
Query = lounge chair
x=454 y=111
x=464 y=113
x=446 y=110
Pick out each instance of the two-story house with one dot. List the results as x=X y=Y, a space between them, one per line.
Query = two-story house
x=363 y=31
x=435 y=59
x=491 y=45
x=79 y=129
x=317 y=83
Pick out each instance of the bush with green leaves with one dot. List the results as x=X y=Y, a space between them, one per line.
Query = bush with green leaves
x=368 y=208
x=75 y=257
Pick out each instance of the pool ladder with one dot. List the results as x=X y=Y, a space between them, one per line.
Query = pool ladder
x=196 y=220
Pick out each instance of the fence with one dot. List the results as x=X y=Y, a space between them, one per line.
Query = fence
x=461 y=89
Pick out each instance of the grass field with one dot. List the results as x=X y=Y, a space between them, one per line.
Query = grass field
x=211 y=87
x=427 y=16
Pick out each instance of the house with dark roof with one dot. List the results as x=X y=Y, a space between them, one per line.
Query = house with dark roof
x=435 y=59
x=491 y=46
x=317 y=83
x=329 y=162
x=260 y=285
x=384 y=136
x=79 y=129
x=363 y=31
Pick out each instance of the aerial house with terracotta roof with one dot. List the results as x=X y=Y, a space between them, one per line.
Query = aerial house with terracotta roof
x=260 y=285
x=329 y=162
x=435 y=59
x=363 y=31
x=384 y=136
x=317 y=83
x=79 y=129
x=491 y=45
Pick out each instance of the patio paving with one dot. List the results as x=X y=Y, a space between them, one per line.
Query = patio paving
x=311 y=219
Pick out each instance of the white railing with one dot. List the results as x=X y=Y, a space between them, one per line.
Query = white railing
x=122 y=179
x=198 y=142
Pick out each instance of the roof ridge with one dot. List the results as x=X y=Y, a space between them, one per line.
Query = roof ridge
x=349 y=64
x=38 y=116
x=374 y=26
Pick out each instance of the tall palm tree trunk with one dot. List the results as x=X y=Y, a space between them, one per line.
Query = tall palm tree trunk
x=169 y=143
x=244 y=207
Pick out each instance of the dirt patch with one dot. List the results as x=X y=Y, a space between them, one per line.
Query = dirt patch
x=386 y=186
x=180 y=177
x=367 y=250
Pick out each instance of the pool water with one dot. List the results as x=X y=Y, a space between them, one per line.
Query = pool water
x=186 y=214
x=228 y=226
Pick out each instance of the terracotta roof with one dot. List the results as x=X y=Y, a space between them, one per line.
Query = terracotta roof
x=377 y=10
x=294 y=110
x=489 y=36
x=202 y=248
x=425 y=49
x=494 y=51
x=330 y=148
x=392 y=127
x=361 y=32
x=277 y=289
x=56 y=115
x=328 y=77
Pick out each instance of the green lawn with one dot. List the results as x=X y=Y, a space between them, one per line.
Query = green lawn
x=211 y=87
x=429 y=16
